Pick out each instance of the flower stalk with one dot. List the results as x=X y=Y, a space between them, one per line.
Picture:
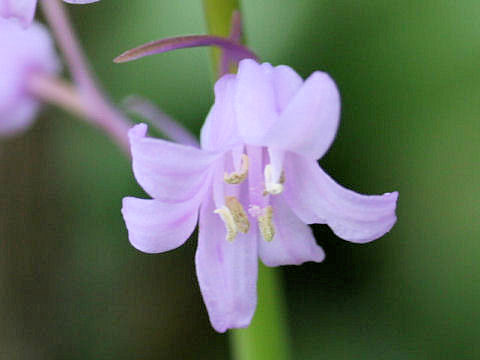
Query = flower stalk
x=267 y=336
x=58 y=92
x=172 y=129
x=219 y=16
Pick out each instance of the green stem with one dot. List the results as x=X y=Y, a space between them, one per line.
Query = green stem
x=218 y=14
x=267 y=336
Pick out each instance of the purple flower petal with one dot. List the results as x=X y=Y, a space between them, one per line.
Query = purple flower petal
x=167 y=171
x=226 y=271
x=286 y=84
x=255 y=104
x=293 y=243
x=80 y=1
x=24 y=52
x=17 y=117
x=155 y=227
x=317 y=198
x=309 y=122
x=23 y=10
x=219 y=130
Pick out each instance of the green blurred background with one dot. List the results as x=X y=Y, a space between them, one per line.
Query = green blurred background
x=71 y=286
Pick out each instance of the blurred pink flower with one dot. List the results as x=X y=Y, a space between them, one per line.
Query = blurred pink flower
x=23 y=53
x=24 y=10
x=254 y=185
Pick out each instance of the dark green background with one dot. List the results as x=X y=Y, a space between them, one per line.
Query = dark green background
x=71 y=286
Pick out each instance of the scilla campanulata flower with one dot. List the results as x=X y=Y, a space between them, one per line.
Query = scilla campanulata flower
x=253 y=186
x=24 y=54
x=24 y=10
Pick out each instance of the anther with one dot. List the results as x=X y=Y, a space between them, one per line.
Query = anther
x=237 y=177
x=234 y=217
x=271 y=187
x=265 y=224
x=239 y=216
x=229 y=222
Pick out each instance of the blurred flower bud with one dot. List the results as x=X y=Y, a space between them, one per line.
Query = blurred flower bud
x=24 y=10
x=23 y=53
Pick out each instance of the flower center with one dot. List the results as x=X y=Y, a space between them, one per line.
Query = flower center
x=232 y=212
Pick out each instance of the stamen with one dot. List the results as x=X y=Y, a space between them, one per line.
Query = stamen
x=271 y=187
x=234 y=217
x=229 y=222
x=238 y=213
x=265 y=224
x=237 y=177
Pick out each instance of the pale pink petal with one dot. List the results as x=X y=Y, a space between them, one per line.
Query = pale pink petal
x=167 y=171
x=316 y=198
x=23 y=52
x=18 y=117
x=226 y=271
x=309 y=122
x=80 y=1
x=155 y=227
x=293 y=242
x=23 y=10
x=255 y=105
x=219 y=130
x=286 y=83
x=256 y=183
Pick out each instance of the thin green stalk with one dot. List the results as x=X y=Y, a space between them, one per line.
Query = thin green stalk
x=218 y=15
x=267 y=336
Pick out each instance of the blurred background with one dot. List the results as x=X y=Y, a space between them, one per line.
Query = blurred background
x=72 y=287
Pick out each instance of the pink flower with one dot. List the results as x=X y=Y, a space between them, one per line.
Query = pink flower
x=23 y=53
x=24 y=10
x=255 y=185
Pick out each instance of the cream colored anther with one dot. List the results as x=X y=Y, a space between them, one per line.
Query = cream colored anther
x=272 y=187
x=230 y=225
x=239 y=215
x=234 y=218
x=265 y=224
x=237 y=177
